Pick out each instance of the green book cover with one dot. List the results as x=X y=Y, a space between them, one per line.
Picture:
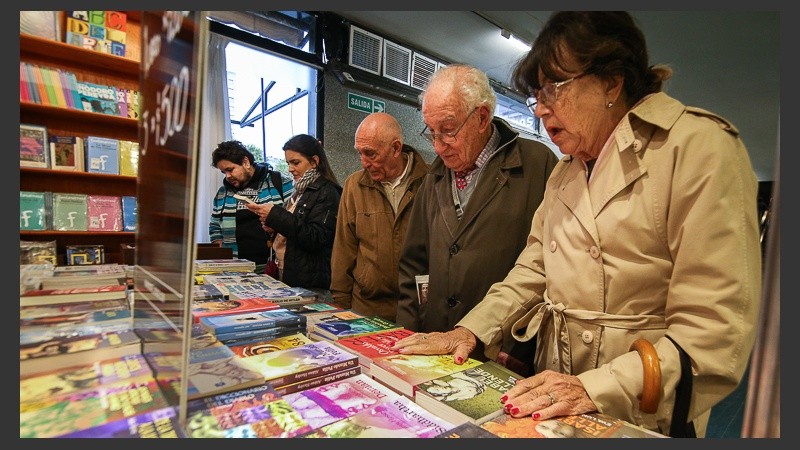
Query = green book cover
x=32 y=211
x=70 y=212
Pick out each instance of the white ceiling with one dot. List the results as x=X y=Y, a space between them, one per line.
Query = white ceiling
x=727 y=62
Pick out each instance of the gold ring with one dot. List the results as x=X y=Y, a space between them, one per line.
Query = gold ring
x=552 y=399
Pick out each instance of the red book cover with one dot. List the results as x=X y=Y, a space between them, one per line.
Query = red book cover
x=105 y=213
x=223 y=307
x=375 y=345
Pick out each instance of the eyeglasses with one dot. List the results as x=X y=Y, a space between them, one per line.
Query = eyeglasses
x=445 y=138
x=547 y=94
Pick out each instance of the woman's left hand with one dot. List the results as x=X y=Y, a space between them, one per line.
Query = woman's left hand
x=262 y=209
x=547 y=394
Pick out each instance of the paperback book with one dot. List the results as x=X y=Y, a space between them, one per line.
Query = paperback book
x=255 y=335
x=471 y=395
x=159 y=423
x=58 y=415
x=69 y=309
x=216 y=369
x=55 y=351
x=362 y=326
x=74 y=379
x=591 y=425
x=128 y=157
x=315 y=318
x=404 y=372
x=284 y=295
x=86 y=276
x=32 y=211
x=105 y=320
x=209 y=292
x=467 y=430
x=98 y=98
x=102 y=155
x=77 y=255
x=37 y=252
x=66 y=153
x=319 y=381
x=373 y=346
x=340 y=399
x=284 y=367
x=222 y=265
x=105 y=212
x=130 y=213
x=395 y=418
x=221 y=307
x=254 y=412
x=70 y=212
x=33 y=148
x=270 y=345
x=252 y=321
x=41 y=297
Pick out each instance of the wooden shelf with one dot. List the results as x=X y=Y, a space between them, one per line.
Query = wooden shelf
x=34 y=47
x=91 y=67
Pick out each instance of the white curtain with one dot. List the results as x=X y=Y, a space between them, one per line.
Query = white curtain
x=215 y=128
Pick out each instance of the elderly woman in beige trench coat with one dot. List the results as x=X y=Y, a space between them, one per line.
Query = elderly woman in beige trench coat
x=648 y=229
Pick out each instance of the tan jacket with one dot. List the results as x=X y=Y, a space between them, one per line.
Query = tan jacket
x=369 y=237
x=663 y=241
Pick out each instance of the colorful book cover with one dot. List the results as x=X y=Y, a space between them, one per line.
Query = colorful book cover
x=404 y=372
x=66 y=309
x=53 y=351
x=328 y=316
x=467 y=430
x=395 y=418
x=375 y=345
x=39 y=297
x=66 y=153
x=252 y=321
x=159 y=423
x=254 y=412
x=209 y=292
x=362 y=326
x=325 y=404
x=107 y=320
x=102 y=155
x=281 y=295
x=471 y=395
x=85 y=254
x=33 y=146
x=105 y=212
x=128 y=158
x=53 y=84
x=259 y=334
x=219 y=371
x=98 y=98
x=270 y=345
x=592 y=425
x=218 y=307
x=319 y=381
x=70 y=212
x=75 y=379
x=130 y=213
x=296 y=364
x=32 y=211
x=58 y=415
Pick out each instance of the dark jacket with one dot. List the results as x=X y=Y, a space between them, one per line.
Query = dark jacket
x=309 y=233
x=464 y=258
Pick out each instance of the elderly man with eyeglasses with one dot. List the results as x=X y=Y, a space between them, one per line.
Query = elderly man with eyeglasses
x=472 y=215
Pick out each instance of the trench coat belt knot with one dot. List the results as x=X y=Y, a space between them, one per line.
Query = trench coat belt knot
x=532 y=321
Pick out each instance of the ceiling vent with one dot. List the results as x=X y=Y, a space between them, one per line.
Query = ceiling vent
x=396 y=62
x=365 y=50
x=422 y=69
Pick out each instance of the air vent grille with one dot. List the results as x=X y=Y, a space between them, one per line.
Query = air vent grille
x=396 y=62
x=365 y=50
x=422 y=69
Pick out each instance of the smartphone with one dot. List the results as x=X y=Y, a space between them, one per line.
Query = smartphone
x=243 y=198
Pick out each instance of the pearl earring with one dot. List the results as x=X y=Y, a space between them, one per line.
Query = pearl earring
x=609 y=105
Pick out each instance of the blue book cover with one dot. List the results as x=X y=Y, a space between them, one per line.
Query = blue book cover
x=130 y=213
x=102 y=155
x=260 y=334
x=251 y=321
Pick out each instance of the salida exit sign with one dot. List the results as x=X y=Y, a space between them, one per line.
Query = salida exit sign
x=364 y=104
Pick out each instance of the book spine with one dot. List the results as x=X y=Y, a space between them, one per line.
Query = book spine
x=261 y=325
x=319 y=381
x=313 y=373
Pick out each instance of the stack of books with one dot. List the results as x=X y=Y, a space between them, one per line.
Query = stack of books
x=254 y=327
x=207 y=266
x=470 y=395
x=85 y=276
x=404 y=372
x=373 y=346
x=345 y=328
x=295 y=369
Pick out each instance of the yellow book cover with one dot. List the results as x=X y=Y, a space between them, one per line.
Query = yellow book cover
x=128 y=158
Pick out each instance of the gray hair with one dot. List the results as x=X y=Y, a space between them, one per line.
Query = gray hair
x=470 y=83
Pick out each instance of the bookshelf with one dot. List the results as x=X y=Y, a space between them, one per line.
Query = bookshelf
x=92 y=67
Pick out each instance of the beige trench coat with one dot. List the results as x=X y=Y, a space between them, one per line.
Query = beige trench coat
x=664 y=240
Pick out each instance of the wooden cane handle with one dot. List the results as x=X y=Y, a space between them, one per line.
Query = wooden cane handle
x=651 y=385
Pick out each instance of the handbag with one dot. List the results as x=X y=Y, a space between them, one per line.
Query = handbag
x=271 y=267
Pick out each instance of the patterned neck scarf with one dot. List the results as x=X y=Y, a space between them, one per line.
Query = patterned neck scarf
x=301 y=184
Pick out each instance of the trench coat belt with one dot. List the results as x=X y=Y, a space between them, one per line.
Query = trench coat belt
x=532 y=322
